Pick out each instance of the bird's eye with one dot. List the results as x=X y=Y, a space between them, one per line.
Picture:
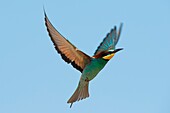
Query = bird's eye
x=105 y=54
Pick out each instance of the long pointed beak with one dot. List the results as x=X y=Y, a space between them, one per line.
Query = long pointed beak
x=116 y=50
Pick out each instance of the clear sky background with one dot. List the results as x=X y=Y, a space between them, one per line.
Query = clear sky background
x=34 y=78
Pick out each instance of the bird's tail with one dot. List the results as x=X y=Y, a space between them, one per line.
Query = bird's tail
x=80 y=93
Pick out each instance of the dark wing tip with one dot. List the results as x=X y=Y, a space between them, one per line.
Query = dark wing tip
x=44 y=11
x=46 y=19
x=118 y=33
x=120 y=29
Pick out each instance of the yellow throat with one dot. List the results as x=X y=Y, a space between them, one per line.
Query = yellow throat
x=108 y=57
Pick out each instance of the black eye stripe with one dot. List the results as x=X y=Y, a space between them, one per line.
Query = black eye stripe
x=106 y=53
x=110 y=52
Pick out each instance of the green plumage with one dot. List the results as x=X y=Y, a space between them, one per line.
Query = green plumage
x=93 y=68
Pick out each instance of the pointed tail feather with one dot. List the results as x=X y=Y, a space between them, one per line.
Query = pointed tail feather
x=80 y=93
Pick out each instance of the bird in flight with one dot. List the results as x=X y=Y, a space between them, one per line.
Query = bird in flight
x=87 y=65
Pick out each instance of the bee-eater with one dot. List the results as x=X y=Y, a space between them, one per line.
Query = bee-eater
x=88 y=66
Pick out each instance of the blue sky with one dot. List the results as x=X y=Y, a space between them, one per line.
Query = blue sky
x=34 y=78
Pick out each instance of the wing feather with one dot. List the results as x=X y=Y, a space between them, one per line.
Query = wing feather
x=68 y=51
x=110 y=41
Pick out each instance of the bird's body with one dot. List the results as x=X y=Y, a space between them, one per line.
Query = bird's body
x=93 y=68
x=89 y=72
x=88 y=66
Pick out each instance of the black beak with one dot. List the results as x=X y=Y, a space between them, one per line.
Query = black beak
x=116 y=50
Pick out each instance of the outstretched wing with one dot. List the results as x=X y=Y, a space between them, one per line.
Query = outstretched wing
x=68 y=51
x=110 y=41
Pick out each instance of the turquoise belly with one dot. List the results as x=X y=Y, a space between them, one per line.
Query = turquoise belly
x=92 y=69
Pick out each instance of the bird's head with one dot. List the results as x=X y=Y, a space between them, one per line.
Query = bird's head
x=110 y=53
x=107 y=55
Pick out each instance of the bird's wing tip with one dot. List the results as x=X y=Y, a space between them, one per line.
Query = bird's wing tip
x=44 y=11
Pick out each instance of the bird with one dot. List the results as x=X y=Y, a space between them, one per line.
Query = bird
x=89 y=66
